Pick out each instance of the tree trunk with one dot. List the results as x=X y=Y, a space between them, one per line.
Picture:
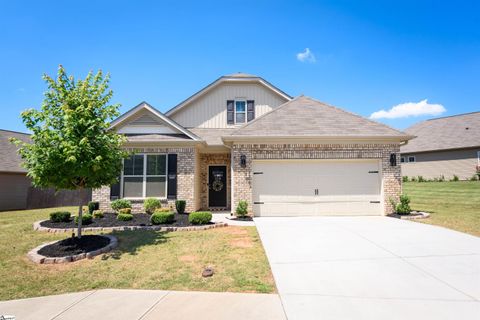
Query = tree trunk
x=79 y=229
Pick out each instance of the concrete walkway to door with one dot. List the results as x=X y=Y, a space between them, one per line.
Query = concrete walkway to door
x=372 y=268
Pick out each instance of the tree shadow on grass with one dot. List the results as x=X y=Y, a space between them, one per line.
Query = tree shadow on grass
x=129 y=242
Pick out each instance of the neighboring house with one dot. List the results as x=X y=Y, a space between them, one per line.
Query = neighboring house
x=16 y=192
x=443 y=147
x=241 y=138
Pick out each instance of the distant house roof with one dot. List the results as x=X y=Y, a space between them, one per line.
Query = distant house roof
x=235 y=78
x=454 y=132
x=10 y=160
x=306 y=117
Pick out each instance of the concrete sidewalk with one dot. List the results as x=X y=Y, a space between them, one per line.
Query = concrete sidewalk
x=146 y=304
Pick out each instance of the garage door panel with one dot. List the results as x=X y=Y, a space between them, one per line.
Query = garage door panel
x=316 y=187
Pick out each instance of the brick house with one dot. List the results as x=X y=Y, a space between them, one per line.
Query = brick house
x=241 y=138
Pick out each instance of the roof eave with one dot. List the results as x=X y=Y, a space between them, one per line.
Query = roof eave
x=233 y=138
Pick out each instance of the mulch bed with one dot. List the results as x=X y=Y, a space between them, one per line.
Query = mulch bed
x=110 y=220
x=74 y=246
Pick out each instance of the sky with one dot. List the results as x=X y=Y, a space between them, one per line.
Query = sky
x=397 y=62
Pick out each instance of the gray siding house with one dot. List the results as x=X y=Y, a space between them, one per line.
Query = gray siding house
x=16 y=191
x=445 y=146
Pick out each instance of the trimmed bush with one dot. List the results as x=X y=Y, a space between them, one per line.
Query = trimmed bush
x=98 y=214
x=121 y=204
x=455 y=178
x=200 y=217
x=180 y=206
x=420 y=179
x=87 y=218
x=125 y=211
x=151 y=204
x=402 y=207
x=163 y=210
x=92 y=206
x=162 y=217
x=60 y=216
x=242 y=208
x=124 y=216
x=405 y=179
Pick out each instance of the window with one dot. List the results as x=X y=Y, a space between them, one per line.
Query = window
x=145 y=175
x=402 y=159
x=240 y=111
x=411 y=159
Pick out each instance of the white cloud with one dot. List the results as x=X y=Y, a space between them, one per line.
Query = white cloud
x=306 y=56
x=410 y=109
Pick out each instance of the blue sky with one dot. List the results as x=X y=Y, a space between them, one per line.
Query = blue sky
x=368 y=55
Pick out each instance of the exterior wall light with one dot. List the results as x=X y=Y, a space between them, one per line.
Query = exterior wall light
x=393 y=159
x=243 y=161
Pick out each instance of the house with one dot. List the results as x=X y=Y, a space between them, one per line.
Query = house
x=445 y=147
x=16 y=191
x=242 y=138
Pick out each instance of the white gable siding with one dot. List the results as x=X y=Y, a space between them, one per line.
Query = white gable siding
x=210 y=110
x=144 y=123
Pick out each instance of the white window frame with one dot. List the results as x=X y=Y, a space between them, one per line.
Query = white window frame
x=235 y=111
x=144 y=176
x=414 y=159
x=478 y=157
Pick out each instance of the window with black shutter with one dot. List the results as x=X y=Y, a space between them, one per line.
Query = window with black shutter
x=250 y=110
x=115 y=190
x=230 y=112
x=172 y=176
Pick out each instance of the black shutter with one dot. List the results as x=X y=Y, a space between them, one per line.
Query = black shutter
x=230 y=113
x=250 y=110
x=172 y=177
x=115 y=190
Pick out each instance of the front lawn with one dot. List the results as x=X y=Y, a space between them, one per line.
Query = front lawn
x=143 y=260
x=455 y=204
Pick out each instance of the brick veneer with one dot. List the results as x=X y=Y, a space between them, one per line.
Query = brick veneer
x=391 y=176
x=207 y=159
x=185 y=179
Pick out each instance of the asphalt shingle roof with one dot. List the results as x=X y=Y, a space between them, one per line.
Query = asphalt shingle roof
x=213 y=137
x=10 y=160
x=304 y=116
x=461 y=131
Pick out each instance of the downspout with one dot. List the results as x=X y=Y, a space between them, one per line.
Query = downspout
x=232 y=184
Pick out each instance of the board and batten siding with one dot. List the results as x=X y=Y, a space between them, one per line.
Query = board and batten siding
x=210 y=110
x=145 y=123
x=431 y=165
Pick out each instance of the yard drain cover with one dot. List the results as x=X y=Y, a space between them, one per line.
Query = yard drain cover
x=208 y=272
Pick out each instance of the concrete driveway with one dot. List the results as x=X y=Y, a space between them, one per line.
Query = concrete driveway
x=372 y=268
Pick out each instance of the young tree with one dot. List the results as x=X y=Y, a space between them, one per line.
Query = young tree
x=72 y=146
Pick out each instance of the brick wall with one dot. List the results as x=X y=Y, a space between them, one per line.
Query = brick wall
x=207 y=159
x=391 y=176
x=185 y=180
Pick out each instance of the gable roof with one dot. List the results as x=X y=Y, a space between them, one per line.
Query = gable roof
x=235 y=78
x=309 y=118
x=145 y=106
x=453 y=132
x=11 y=160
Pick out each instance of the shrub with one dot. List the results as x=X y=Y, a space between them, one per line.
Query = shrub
x=162 y=217
x=163 y=210
x=86 y=218
x=413 y=179
x=92 y=206
x=455 y=178
x=97 y=214
x=125 y=211
x=402 y=207
x=150 y=204
x=441 y=179
x=242 y=208
x=180 y=206
x=121 y=204
x=60 y=216
x=421 y=179
x=124 y=216
x=405 y=179
x=474 y=178
x=200 y=217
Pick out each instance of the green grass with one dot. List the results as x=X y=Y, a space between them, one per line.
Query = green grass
x=455 y=205
x=143 y=260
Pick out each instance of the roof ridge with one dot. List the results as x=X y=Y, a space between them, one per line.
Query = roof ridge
x=267 y=113
x=451 y=116
x=356 y=115
x=13 y=131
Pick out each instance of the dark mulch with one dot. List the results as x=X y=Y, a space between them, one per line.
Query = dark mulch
x=110 y=220
x=247 y=218
x=73 y=246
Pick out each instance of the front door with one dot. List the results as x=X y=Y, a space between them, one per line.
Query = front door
x=217 y=186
